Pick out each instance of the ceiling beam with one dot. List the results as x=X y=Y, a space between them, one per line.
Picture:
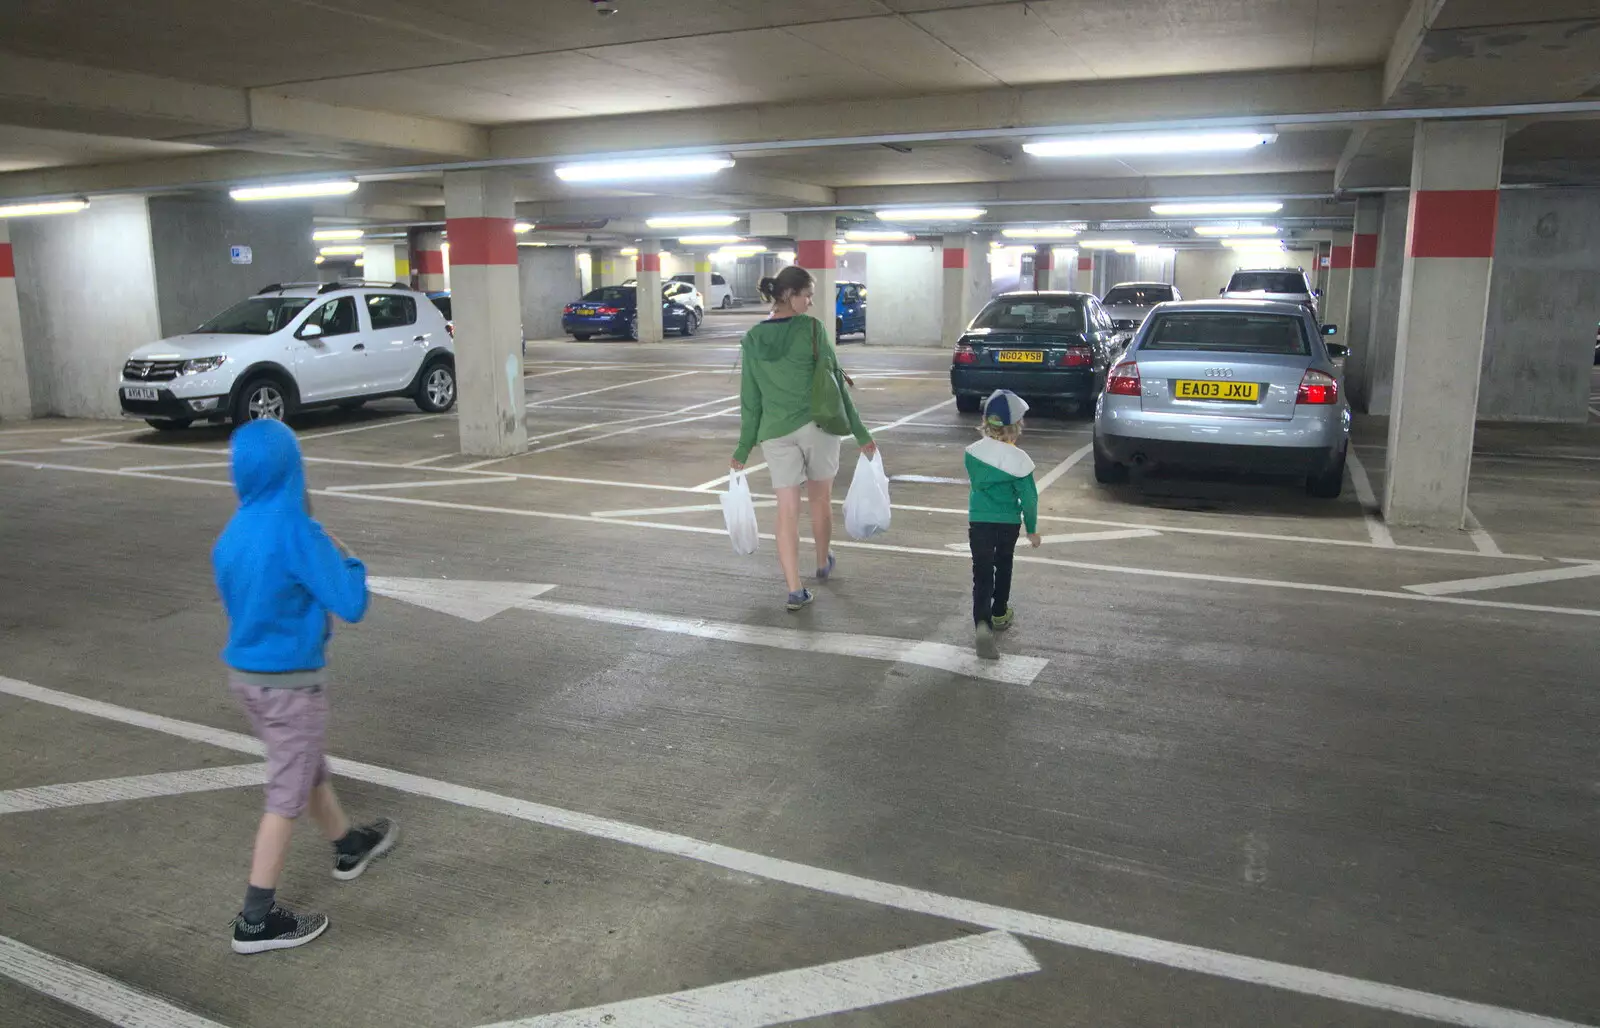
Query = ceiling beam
x=1463 y=52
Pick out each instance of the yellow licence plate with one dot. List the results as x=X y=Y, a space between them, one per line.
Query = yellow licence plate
x=1021 y=357
x=1234 y=392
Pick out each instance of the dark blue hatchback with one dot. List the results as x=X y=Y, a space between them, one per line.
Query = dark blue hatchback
x=614 y=311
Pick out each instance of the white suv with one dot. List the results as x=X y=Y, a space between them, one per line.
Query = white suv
x=295 y=346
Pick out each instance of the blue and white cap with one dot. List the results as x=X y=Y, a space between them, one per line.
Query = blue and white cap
x=1003 y=407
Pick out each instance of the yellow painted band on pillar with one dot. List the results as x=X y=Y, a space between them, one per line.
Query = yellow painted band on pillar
x=402 y=268
x=702 y=267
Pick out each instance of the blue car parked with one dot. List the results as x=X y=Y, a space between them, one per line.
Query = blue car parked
x=850 y=309
x=614 y=311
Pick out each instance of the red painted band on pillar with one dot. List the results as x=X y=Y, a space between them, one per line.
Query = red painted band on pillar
x=1364 y=250
x=1085 y=263
x=649 y=261
x=482 y=240
x=1340 y=261
x=1043 y=260
x=429 y=262
x=955 y=257
x=1452 y=223
x=815 y=254
x=8 y=264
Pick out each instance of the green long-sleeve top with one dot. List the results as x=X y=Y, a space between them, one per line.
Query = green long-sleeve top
x=1002 y=486
x=775 y=394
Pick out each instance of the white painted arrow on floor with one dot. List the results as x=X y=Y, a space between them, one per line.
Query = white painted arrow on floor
x=1473 y=585
x=789 y=996
x=479 y=601
x=1081 y=537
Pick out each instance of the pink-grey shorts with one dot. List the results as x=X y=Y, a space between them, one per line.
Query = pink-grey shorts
x=293 y=723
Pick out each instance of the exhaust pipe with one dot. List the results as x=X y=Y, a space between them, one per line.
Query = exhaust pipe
x=1138 y=460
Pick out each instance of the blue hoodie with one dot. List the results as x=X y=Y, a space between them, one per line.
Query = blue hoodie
x=278 y=572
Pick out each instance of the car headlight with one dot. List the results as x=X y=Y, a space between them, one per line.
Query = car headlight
x=202 y=364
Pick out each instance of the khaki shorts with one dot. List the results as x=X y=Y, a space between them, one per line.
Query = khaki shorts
x=805 y=455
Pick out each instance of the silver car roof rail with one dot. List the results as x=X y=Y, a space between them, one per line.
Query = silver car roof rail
x=360 y=283
x=278 y=287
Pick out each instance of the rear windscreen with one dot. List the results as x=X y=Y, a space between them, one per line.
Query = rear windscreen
x=610 y=294
x=1139 y=296
x=1034 y=314
x=1223 y=332
x=1267 y=282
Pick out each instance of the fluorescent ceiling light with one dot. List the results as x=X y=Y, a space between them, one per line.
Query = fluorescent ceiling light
x=878 y=236
x=295 y=190
x=533 y=244
x=629 y=251
x=1220 y=207
x=786 y=256
x=361 y=262
x=1111 y=144
x=839 y=249
x=343 y=251
x=931 y=214
x=655 y=168
x=1104 y=244
x=1253 y=244
x=692 y=221
x=1042 y=232
x=320 y=259
x=1127 y=249
x=522 y=226
x=330 y=235
x=28 y=210
x=1236 y=230
x=709 y=240
x=1153 y=251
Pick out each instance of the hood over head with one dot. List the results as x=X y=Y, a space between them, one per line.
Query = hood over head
x=267 y=471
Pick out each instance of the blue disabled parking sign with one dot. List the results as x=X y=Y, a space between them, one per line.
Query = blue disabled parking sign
x=240 y=254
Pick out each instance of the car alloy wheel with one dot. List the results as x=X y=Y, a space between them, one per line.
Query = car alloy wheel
x=266 y=403
x=440 y=387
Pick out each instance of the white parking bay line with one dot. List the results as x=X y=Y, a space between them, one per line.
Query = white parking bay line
x=836 y=988
x=1083 y=537
x=1199 y=959
x=691 y=508
x=1481 y=537
x=423 y=483
x=136 y=787
x=609 y=388
x=1377 y=531
x=1065 y=466
x=1475 y=585
x=91 y=991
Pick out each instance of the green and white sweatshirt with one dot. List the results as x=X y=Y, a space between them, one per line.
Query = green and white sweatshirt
x=1002 y=485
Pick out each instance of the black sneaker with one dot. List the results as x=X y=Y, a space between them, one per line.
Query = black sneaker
x=378 y=838
x=282 y=929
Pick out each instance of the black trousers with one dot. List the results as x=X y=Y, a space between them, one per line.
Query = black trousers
x=993 y=546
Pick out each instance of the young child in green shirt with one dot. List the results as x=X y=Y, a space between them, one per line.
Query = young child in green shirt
x=1002 y=500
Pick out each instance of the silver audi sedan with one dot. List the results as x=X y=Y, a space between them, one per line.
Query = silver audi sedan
x=1243 y=385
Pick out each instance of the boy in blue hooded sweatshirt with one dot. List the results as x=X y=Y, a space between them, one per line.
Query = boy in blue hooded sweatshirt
x=282 y=578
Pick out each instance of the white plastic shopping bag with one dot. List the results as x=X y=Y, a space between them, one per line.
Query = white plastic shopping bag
x=866 y=505
x=739 y=511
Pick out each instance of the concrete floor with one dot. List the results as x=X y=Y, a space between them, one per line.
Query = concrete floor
x=1253 y=761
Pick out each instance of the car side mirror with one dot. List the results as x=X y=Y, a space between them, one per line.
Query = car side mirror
x=1330 y=330
x=310 y=331
x=1338 y=351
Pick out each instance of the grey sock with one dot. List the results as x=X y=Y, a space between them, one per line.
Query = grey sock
x=257 y=903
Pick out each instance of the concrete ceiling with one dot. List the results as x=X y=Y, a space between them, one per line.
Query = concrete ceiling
x=100 y=96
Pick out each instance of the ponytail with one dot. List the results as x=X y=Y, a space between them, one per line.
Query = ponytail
x=787 y=282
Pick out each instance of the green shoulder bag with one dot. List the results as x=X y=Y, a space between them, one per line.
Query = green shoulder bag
x=827 y=391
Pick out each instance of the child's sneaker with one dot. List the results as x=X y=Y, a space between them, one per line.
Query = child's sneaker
x=281 y=929
x=799 y=599
x=825 y=572
x=986 y=646
x=1001 y=622
x=377 y=839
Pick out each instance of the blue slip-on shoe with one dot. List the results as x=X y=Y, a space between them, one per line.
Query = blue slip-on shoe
x=799 y=599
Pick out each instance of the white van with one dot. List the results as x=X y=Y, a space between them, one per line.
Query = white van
x=294 y=346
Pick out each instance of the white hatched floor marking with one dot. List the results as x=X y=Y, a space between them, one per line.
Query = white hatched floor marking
x=91 y=991
x=133 y=787
x=1565 y=573
x=1184 y=956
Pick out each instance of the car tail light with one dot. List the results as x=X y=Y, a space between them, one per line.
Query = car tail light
x=1124 y=380
x=1318 y=388
x=965 y=355
x=450 y=327
x=568 y=308
x=606 y=311
x=1077 y=357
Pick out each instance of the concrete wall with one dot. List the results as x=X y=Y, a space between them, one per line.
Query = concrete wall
x=195 y=278
x=86 y=289
x=1544 y=303
x=1201 y=274
x=548 y=276
x=1112 y=268
x=16 y=402
x=906 y=301
x=1377 y=367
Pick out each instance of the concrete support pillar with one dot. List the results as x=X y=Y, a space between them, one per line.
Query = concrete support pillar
x=1383 y=328
x=427 y=259
x=1356 y=318
x=16 y=403
x=815 y=235
x=487 y=305
x=1444 y=300
x=966 y=282
x=702 y=278
x=1044 y=259
x=378 y=263
x=1083 y=281
x=1336 y=297
x=649 y=292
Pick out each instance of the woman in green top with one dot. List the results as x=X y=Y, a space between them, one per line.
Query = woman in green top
x=779 y=356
